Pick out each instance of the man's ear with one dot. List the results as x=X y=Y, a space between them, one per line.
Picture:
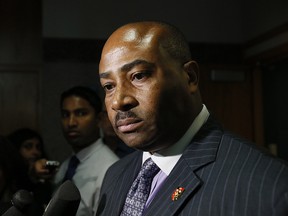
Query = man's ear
x=192 y=70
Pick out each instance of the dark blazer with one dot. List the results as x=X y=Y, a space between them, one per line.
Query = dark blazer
x=221 y=174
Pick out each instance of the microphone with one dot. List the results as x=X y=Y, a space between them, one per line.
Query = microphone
x=65 y=201
x=21 y=201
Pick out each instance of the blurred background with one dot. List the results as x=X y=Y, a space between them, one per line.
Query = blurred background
x=241 y=45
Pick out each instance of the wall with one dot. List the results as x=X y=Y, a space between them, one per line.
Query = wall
x=261 y=16
x=20 y=64
x=201 y=21
x=222 y=21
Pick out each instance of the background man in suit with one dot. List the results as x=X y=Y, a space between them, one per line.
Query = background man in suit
x=80 y=107
x=153 y=101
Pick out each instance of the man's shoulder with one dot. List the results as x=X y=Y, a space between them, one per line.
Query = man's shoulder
x=100 y=160
x=126 y=162
x=238 y=150
x=100 y=150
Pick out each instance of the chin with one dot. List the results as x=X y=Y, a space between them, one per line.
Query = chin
x=138 y=143
x=132 y=143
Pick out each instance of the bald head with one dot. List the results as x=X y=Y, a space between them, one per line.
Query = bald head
x=147 y=34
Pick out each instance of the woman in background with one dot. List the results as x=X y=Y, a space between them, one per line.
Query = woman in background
x=13 y=176
x=30 y=146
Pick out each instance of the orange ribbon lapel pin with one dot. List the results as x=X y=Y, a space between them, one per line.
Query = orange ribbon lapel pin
x=177 y=193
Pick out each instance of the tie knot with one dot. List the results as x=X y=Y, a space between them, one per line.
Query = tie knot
x=149 y=169
x=74 y=161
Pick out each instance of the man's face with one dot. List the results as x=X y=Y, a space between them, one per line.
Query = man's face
x=79 y=122
x=146 y=93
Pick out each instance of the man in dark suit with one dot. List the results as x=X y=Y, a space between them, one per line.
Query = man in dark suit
x=154 y=104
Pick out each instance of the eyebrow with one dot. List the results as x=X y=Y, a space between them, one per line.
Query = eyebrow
x=129 y=66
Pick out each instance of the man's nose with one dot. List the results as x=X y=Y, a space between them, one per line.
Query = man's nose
x=123 y=99
x=72 y=121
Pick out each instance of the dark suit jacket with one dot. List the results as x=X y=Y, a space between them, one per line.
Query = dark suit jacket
x=221 y=174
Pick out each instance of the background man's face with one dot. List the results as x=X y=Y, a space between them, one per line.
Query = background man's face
x=79 y=122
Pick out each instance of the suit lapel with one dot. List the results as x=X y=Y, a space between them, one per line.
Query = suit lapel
x=122 y=183
x=163 y=200
x=201 y=152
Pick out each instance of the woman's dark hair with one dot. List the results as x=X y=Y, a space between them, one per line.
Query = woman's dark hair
x=13 y=167
x=19 y=136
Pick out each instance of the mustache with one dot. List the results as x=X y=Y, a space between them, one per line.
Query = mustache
x=124 y=115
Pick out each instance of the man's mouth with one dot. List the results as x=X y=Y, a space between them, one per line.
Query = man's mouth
x=72 y=134
x=128 y=125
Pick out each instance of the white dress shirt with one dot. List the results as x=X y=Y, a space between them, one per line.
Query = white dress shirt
x=94 y=162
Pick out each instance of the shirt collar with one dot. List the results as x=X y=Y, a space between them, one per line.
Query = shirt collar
x=87 y=151
x=168 y=159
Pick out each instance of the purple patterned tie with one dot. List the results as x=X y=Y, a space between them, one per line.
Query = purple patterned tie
x=139 y=191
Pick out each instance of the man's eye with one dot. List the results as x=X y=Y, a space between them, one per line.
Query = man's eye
x=64 y=114
x=107 y=87
x=81 y=113
x=141 y=75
